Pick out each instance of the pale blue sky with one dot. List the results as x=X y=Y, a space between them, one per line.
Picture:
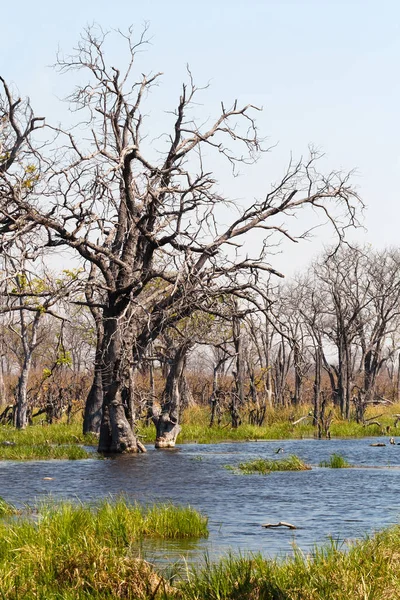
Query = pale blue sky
x=325 y=72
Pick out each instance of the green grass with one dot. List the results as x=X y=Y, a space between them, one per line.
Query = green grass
x=278 y=426
x=45 y=442
x=58 y=433
x=336 y=461
x=367 y=570
x=40 y=440
x=74 y=551
x=44 y=452
x=264 y=466
x=6 y=509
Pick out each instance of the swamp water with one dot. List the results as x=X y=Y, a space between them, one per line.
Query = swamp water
x=323 y=503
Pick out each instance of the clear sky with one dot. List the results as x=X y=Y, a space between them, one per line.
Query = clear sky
x=325 y=72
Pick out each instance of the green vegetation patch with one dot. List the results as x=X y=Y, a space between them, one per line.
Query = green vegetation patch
x=336 y=461
x=44 y=452
x=58 y=433
x=80 y=551
x=44 y=442
x=264 y=466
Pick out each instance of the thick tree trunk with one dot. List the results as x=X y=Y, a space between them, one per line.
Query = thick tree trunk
x=116 y=432
x=166 y=419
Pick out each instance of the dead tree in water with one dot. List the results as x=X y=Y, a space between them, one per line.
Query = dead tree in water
x=147 y=222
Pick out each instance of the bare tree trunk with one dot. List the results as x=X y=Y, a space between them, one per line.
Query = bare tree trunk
x=214 y=399
x=239 y=372
x=3 y=399
x=166 y=419
x=116 y=433
x=298 y=376
x=21 y=418
x=94 y=402
x=152 y=388
x=317 y=386
x=398 y=378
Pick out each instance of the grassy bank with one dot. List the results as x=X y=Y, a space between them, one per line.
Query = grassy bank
x=75 y=551
x=62 y=441
x=45 y=442
x=278 y=426
x=58 y=433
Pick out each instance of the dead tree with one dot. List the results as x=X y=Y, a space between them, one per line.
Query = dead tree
x=147 y=222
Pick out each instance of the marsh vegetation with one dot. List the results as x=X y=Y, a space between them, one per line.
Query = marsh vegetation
x=264 y=466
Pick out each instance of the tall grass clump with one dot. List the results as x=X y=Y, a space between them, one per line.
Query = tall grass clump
x=81 y=551
x=264 y=466
x=336 y=461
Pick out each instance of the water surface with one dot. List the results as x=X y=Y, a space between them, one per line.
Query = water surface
x=322 y=503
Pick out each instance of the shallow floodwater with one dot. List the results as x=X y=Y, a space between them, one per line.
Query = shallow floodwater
x=322 y=503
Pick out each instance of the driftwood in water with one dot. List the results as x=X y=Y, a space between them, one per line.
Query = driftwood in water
x=378 y=444
x=280 y=524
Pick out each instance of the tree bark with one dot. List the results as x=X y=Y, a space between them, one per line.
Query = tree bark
x=167 y=418
x=94 y=404
x=21 y=418
x=116 y=433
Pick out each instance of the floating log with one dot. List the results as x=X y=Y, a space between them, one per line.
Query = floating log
x=280 y=524
x=378 y=444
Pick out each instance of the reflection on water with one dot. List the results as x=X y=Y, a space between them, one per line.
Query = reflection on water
x=322 y=503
